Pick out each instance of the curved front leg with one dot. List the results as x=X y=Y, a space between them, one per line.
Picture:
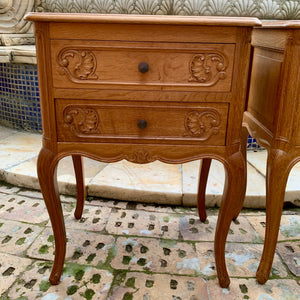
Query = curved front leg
x=46 y=167
x=203 y=176
x=79 y=174
x=235 y=169
x=277 y=175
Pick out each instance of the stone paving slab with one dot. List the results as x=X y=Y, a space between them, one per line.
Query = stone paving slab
x=17 y=148
x=255 y=194
x=280 y=289
x=30 y=193
x=154 y=255
x=6 y=132
x=11 y=267
x=25 y=174
x=9 y=189
x=16 y=237
x=142 y=223
x=93 y=219
x=19 y=208
x=165 y=208
x=87 y=248
x=192 y=229
x=242 y=260
x=289 y=226
x=290 y=254
x=66 y=175
x=137 y=286
x=259 y=160
x=190 y=181
x=154 y=182
x=77 y=282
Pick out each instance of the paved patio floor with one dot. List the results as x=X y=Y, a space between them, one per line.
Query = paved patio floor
x=128 y=250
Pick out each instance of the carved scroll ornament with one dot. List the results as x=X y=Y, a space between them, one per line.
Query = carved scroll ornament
x=78 y=64
x=202 y=124
x=81 y=120
x=208 y=68
x=140 y=157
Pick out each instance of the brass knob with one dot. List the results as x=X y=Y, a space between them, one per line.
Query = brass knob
x=143 y=67
x=142 y=124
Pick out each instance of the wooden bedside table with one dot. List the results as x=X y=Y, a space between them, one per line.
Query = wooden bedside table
x=272 y=118
x=141 y=88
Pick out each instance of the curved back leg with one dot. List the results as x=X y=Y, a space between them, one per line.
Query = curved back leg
x=79 y=174
x=203 y=176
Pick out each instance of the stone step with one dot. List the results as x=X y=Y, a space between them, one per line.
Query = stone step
x=155 y=182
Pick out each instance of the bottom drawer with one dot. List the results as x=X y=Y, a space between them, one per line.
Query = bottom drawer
x=90 y=120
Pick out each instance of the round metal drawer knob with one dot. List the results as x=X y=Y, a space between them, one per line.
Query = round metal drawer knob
x=142 y=124
x=143 y=67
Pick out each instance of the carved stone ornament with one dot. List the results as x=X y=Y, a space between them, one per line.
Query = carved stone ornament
x=208 y=68
x=202 y=124
x=12 y=15
x=267 y=9
x=140 y=157
x=78 y=64
x=81 y=120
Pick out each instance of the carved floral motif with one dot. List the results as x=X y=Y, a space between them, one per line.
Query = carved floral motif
x=78 y=64
x=208 y=68
x=202 y=124
x=81 y=120
x=140 y=157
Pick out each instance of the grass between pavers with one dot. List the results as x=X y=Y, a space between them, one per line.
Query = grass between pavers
x=119 y=276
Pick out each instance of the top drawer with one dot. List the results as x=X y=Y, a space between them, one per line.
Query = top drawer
x=155 y=65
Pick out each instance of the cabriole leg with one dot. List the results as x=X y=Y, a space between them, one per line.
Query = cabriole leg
x=234 y=179
x=79 y=174
x=203 y=176
x=46 y=167
x=277 y=175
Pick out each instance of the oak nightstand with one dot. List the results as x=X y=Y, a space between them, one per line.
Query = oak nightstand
x=142 y=88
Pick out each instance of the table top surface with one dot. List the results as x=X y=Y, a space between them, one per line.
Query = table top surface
x=143 y=19
x=288 y=24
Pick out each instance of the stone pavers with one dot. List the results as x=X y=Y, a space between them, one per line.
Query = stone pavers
x=142 y=223
x=78 y=282
x=10 y=268
x=16 y=237
x=129 y=250
x=145 y=286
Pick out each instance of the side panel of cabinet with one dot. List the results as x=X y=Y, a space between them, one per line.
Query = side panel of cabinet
x=265 y=86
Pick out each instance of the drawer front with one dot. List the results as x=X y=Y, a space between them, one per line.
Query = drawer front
x=93 y=121
x=175 y=66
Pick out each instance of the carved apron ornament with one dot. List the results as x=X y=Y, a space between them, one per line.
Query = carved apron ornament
x=208 y=68
x=140 y=156
x=81 y=120
x=202 y=124
x=78 y=64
